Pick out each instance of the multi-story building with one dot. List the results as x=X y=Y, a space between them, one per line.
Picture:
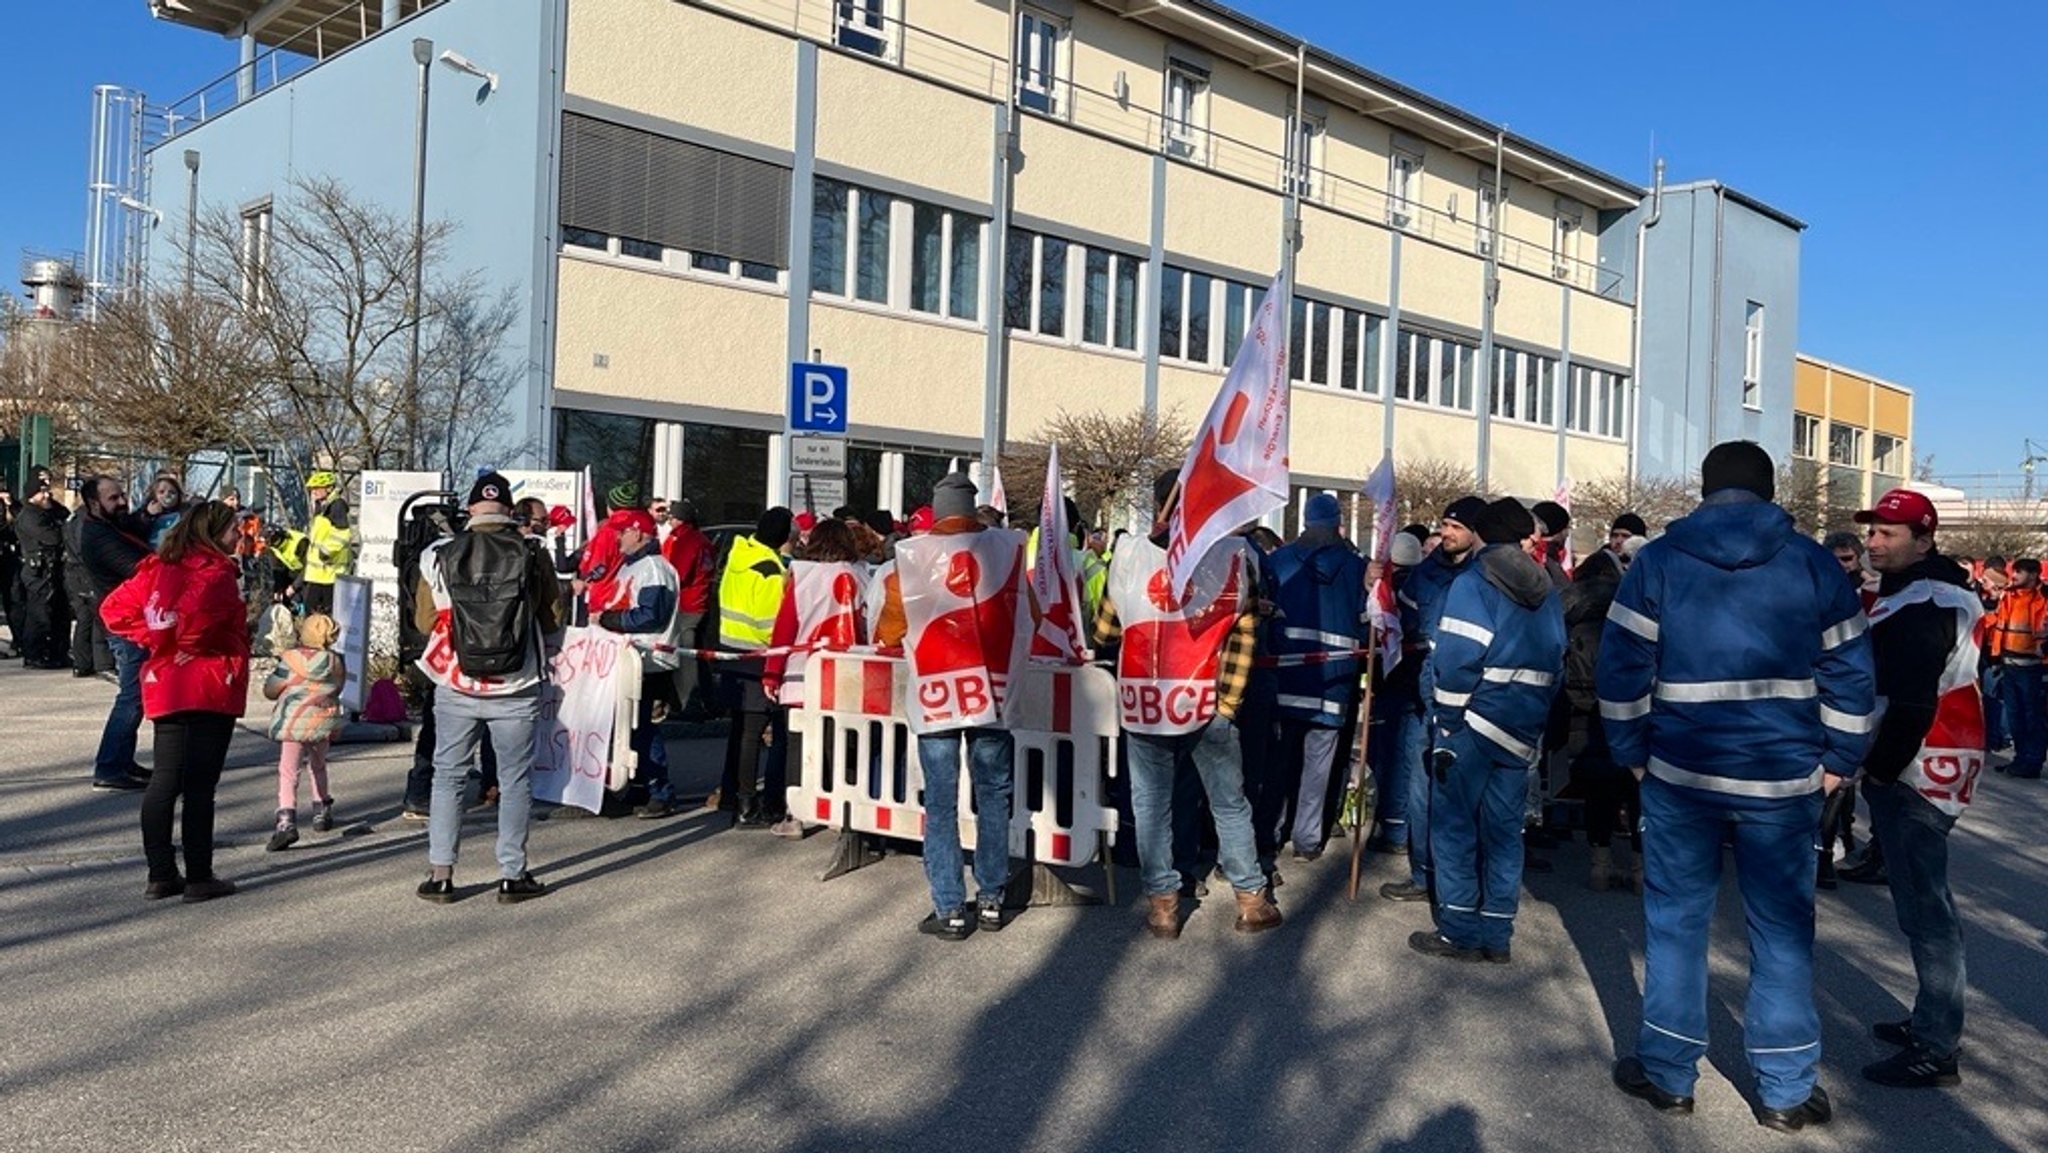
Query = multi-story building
x=1856 y=428
x=1719 y=313
x=988 y=211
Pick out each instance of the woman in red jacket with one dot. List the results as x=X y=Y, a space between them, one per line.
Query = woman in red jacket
x=184 y=607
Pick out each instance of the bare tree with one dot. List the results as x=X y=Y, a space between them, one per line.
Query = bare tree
x=1596 y=502
x=1108 y=461
x=166 y=374
x=2008 y=539
x=1424 y=488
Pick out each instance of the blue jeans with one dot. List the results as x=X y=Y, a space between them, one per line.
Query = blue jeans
x=991 y=762
x=1475 y=836
x=117 y=740
x=1989 y=682
x=1915 y=838
x=651 y=768
x=2026 y=714
x=460 y=722
x=1682 y=834
x=1156 y=762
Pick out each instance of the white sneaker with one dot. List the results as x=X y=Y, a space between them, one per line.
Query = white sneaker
x=788 y=827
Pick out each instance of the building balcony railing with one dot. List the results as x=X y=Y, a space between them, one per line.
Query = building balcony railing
x=1122 y=117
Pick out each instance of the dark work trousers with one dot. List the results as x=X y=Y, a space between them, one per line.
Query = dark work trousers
x=319 y=598
x=89 y=652
x=45 y=617
x=743 y=744
x=419 y=780
x=1613 y=797
x=191 y=748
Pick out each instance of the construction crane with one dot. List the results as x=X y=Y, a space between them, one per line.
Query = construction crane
x=2035 y=455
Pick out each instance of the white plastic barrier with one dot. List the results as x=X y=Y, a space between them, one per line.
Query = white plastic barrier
x=858 y=767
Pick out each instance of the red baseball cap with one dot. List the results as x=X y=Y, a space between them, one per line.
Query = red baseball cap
x=1901 y=506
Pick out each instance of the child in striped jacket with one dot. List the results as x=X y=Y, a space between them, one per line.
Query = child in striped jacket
x=306 y=684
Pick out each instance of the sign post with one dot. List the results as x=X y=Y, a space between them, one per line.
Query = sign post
x=814 y=437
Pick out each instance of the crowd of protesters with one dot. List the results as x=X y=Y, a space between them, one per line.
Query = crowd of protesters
x=1714 y=685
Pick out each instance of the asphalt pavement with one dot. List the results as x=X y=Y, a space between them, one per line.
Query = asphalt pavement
x=688 y=986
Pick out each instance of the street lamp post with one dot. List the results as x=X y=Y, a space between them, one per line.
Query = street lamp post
x=423 y=55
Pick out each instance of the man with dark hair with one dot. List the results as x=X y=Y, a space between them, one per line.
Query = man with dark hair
x=2018 y=639
x=1735 y=680
x=1427 y=585
x=1921 y=769
x=111 y=544
x=1494 y=668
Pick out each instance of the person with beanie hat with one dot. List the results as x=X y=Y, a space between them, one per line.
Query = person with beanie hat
x=1626 y=528
x=1626 y=525
x=479 y=694
x=1402 y=772
x=1735 y=680
x=1494 y=668
x=963 y=658
x=1318 y=583
x=1553 y=526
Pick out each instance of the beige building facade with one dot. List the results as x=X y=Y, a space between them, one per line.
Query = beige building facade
x=989 y=221
x=1857 y=428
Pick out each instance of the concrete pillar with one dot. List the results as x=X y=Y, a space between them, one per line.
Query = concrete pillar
x=245 y=76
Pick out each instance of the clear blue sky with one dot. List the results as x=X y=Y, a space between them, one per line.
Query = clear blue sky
x=1910 y=137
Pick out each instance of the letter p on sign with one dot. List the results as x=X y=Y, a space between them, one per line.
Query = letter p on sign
x=817 y=398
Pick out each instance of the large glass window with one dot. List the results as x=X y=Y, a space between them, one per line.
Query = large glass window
x=862 y=25
x=1845 y=444
x=945 y=262
x=1185 y=115
x=1109 y=299
x=1404 y=187
x=615 y=448
x=872 y=252
x=1524 y=387
x=725 y=471
x=829 y=239
x=1035 y=283
x=1805 y=436
x=1753 y=355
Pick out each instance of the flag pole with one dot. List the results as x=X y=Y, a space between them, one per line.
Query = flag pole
x=1358 y=762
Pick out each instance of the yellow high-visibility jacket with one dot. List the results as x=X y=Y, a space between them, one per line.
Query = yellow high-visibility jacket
x=749 y=594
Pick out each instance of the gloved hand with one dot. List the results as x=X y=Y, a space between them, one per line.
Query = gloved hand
x=612 y=621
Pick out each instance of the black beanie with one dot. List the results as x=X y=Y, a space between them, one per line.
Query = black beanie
x=774 y=527
x=491 y=487
x=880 y=520
x=1553 y=517
x=1630 y=523
x=1469 y=511
x=1741 y=464
x=1506 y=522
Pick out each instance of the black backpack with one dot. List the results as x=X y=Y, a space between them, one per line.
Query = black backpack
x=491 y=624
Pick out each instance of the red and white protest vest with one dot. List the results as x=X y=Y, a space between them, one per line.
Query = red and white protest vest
x=1172 y=647
x=967 y=609
x=1945 y=769
x=831 y=613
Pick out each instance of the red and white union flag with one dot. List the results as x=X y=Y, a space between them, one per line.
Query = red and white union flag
x=1238 y=469
x=1053 y=582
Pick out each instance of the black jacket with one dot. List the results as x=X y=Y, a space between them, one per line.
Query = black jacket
x=41 y=531
x=110 y=550
x=1586 y=601
x=1911 y=647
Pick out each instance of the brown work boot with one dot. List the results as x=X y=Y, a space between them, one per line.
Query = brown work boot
x=1164 y=919
x=1256 y=912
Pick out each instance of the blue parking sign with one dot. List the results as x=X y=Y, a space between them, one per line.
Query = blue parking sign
x=817 y=398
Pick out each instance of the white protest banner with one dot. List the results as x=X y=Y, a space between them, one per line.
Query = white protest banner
x=1386 y=617
x=1237 y=471
x=578 y=709
x=1060 y=625
x=352 y=620
x=564 y=489
x=382 y=495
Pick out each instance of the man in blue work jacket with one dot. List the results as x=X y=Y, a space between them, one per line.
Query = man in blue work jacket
x=1499 y=652
x=1427 y=585
x=1319 y=593
x=1735 y=679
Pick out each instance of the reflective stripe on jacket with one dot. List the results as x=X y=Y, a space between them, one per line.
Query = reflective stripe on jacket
x=749 y=594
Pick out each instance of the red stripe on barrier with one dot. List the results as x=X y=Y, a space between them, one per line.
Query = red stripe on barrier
x=824 y=810
x=877 y=688
x=882 y=818
x=1062 y=702
x=824 y=673
x=1062 y=845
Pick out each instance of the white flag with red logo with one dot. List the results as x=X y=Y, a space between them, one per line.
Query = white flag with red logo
x=1237 y=471
x=1564 y=500
x=1386 y=618
x=1052 y=576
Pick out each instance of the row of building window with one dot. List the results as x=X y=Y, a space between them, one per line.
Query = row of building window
x=1845 y=445
x=907 y=255
x=1044 y=65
